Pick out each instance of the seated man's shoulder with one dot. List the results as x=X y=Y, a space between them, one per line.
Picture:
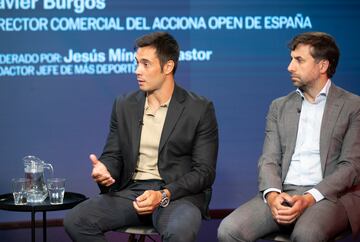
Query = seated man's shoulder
x=195 y=98
x=192 y=97
x=352 y=97
x=351 y=100
x=199 y=105
x=284 y=99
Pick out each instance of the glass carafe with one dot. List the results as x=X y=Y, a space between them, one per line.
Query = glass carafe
x=34 y=171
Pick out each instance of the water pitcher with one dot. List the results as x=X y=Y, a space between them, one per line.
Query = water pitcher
x=34 y=170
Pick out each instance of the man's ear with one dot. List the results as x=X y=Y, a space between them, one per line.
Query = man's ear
x=169 y=66
x=324 y=66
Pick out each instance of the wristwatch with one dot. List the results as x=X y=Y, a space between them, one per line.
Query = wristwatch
x=164 y=199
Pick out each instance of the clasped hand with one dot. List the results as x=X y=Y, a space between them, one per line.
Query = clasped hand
x=285 y=208
x=147 y=202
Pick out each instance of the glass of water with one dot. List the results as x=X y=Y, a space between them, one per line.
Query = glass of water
x=20 y=186
x=56 y=189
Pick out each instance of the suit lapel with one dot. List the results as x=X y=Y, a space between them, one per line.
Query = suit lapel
x=332 y=110
x=176 y=107
x=136 y=121
x=291 y=124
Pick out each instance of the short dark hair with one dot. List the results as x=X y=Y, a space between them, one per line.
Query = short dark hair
x=166 y=47
x=323 y=47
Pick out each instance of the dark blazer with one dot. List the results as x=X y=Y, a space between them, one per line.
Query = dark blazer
x=339 y=148
x=188 y=145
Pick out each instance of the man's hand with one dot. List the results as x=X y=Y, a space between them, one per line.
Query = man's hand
x=100 y=173
x=286 y=209
x=147 y=202
x=277 y=202
x=299 y=204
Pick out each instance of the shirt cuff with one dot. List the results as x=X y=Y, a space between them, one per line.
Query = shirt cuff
x=316 y=194
x=270 y=190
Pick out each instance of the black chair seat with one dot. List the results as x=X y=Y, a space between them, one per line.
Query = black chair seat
x=281 y=237
x=142 y=231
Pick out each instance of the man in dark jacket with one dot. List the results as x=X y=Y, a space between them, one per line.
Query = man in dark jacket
x=159 y=158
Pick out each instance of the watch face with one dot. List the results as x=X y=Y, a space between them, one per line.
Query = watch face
x=164 y=202
x=164 y=199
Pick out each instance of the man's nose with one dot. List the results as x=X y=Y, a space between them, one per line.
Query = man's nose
x=291 y=67
x=137 y=72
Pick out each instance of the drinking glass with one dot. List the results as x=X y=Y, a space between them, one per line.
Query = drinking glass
x=56 y=189
x=20 y=187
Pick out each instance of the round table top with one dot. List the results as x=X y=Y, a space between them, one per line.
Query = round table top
x=71 y=199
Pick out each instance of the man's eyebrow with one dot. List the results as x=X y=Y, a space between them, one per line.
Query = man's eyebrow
x=298 y=57
x=143 y=60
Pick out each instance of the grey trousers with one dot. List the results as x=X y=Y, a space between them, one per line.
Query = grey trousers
x=89 y=220
x=252 y=220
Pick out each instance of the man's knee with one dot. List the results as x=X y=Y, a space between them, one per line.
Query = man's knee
x=227 y=231
x=224 y=231
x=308 y=233
x=70 y=222
x=180 y=235
x=75 y=222
x=184 y=228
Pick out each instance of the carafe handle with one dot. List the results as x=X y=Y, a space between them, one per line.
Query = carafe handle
x=49 y=167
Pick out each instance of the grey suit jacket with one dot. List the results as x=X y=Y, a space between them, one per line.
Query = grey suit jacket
x=339 y=148
x=187 y=150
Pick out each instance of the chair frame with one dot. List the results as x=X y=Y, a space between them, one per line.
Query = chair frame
x=139 y=233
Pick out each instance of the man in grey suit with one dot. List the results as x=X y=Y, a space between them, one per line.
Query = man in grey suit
x=309 y=169
x=159 y=158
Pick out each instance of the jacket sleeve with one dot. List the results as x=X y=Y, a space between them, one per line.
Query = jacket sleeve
x=112 y=155
x=342 y=170
x=269 y=164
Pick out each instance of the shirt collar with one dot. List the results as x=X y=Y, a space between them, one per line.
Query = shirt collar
x=322 y=94
x=147 y=107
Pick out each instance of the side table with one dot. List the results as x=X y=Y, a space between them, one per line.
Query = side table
x=71 y=199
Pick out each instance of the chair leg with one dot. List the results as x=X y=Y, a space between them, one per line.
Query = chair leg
x=132 y=238
x=141 y=238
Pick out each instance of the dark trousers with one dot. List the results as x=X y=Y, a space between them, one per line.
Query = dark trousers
x=88 y=221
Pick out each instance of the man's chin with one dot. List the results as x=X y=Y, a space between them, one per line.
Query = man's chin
x=145 y=89
x=142 y=88
x=296 y=83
